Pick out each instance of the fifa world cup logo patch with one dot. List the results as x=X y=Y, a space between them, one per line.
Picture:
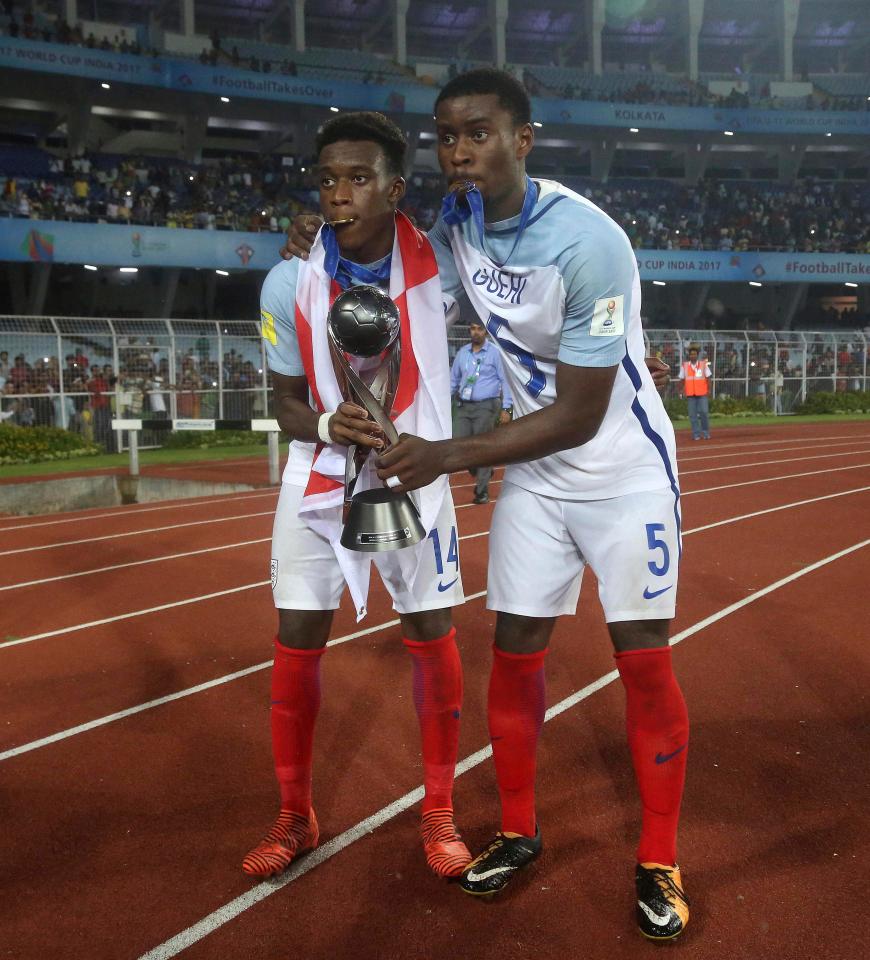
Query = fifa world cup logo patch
x=273 y=570
x=607 y=317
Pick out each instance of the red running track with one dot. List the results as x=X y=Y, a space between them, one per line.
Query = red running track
x=124 y=839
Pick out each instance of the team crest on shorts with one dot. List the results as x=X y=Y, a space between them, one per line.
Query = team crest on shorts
x=274 y=573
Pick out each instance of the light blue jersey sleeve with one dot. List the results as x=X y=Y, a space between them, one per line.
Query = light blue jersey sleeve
x=451 y=285
x=598 y=274
x=277 y=319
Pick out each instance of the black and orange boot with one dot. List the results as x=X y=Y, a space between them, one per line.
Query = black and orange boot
x=662 y=905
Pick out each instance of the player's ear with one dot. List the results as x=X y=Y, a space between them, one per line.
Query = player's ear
x=397 y=190
x=525 y=140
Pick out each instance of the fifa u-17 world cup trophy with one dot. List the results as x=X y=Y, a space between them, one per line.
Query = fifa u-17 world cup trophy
x=364 y=322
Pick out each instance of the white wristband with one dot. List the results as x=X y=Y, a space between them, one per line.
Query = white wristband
x=323 y=427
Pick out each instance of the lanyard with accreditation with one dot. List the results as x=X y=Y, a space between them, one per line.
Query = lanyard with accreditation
x=471 y=378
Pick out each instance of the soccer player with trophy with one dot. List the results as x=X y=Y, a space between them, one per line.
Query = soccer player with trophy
x=356 y=341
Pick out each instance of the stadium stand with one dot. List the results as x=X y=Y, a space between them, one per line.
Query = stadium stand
x=262 y=194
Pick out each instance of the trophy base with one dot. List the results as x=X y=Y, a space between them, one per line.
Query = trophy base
x=380 y=520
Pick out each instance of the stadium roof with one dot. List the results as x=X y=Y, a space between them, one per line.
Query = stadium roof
x=637 y=32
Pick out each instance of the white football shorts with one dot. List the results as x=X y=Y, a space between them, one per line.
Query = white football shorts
x=539 y=547
x=306 y=574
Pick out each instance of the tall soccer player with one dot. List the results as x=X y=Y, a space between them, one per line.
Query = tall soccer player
x=591 y=476
x=360 y=164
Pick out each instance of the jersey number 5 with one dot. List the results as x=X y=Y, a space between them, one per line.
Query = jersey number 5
x=537 y=378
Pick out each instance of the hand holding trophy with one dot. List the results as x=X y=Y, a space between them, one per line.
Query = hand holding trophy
x=364 y=322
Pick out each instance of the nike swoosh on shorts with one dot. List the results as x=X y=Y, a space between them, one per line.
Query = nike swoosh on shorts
x=446 y=586
x=652 y=594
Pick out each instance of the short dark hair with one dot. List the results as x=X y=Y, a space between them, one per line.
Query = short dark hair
x=511 y=93
x=367 y=125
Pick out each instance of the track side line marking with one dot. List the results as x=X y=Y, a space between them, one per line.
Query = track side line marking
x=766 y=463
x=788 y=476
x=784 y=506
x=195 y=523
x=137 y=533
x=690 y=444
x=130 y=711
x=135 y=509
x=132 y=614
x=124 y=513
x=188 y=692
x=245 y=543
x=262 y=583
x=747 y=453
x=229 y=911
x=133 y=563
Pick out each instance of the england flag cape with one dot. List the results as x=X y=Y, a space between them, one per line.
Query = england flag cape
x=422 y=400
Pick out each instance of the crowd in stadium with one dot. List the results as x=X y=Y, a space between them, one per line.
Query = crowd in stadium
x=93 y=391
x=262 y=194
x=647 y=92
x=30 y=26
x=251 y=194
x=803 y=216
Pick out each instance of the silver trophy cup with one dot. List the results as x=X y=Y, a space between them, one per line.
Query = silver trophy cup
x=364 y=322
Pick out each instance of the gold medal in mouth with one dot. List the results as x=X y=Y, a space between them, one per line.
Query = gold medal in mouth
x=343 y=222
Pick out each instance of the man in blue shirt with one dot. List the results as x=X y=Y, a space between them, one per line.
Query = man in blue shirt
x=477 y=382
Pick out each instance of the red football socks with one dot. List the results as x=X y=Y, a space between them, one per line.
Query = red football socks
x=658 y=736
x=517 y=703
x=295 y=703
x=438 y=699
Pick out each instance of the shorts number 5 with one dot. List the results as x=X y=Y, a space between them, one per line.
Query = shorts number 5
x=655 y=543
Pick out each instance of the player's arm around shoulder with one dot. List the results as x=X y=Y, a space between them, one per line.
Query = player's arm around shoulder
x=598 y=277
x=448 y=275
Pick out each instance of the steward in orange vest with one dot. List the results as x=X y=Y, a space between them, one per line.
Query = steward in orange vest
x=695 y=373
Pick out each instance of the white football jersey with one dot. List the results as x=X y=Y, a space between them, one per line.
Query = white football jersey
x=569 y=292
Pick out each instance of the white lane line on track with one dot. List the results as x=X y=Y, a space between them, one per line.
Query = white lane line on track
x=167 y=606
x=747 y=453
x=189 y=692
x=123 y=513
x=784 y=506
x=246 y=543
x=787 y=476
x=136 y=533
x=461 y=506
x=767 y=463
x=715 y=444
x=229 y=911
x=134 y=563
x=133 y=509
x=262 y=583
x=133 y=613
x=82 y=728
x=172 y=526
